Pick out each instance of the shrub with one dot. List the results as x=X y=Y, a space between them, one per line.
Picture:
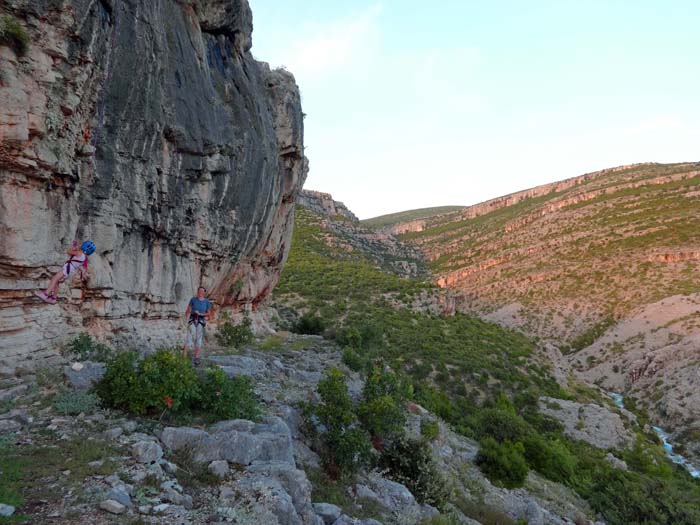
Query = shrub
x=350 y=337
x=83 y=347
x=353 y=360
x=429 y=429
x=120 y=383
x=309 y=324
x=12 y=34
x=383 y=410
x=382 y=416
x=234 y=336
x=382 y=381
x=347 y=447
x=166 y=379
x=73 y=403
x=502 y=425
x=503 y=463
x=410 y=462
x=550 y=458
x=226 y=398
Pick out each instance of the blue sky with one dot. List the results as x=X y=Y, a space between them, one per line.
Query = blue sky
x=412 y=104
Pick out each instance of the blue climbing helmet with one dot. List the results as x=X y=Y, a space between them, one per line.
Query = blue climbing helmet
x=88 y=247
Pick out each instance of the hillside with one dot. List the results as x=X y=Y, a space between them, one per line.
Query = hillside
x=403 y=217
x=485 y=381
x=611 y=256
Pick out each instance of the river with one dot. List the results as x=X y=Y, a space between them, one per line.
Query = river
x=663 y=435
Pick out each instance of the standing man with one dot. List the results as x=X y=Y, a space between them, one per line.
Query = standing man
x=197 y=313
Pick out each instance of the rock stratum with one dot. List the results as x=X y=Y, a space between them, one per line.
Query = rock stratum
x=149 y=128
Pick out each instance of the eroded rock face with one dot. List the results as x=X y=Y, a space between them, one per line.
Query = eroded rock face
x=149 y=128
x=591 y=423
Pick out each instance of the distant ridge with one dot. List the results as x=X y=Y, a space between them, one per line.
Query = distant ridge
x=391 y=219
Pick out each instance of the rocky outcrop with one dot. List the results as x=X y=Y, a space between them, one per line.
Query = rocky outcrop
x=342 y=231
x=149 y=128
x=324 y=204
x=594 y=424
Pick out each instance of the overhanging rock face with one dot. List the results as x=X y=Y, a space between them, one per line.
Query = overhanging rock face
x=148 y=128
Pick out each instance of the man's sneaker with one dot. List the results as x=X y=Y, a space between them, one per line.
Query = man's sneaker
x=196 y=361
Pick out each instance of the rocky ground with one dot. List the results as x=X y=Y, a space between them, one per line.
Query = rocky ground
x=103 y=467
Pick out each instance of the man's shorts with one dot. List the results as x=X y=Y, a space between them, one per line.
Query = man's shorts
x=195 y=332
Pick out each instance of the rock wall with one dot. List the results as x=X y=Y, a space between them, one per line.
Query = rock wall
x=323 y=203
x=149 y=128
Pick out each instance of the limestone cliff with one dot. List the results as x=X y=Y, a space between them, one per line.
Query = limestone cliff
x=323 y=204
x=149 y=128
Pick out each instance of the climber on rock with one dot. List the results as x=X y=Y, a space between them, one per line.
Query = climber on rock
x=77 y=263
x=198 y=312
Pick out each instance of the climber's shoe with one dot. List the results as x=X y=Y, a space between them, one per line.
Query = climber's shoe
x=45 y=297
x=196 y=361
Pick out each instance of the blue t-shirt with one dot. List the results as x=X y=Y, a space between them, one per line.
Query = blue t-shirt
x=202 y=307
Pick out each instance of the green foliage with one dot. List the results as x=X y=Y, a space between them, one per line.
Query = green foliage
x=382 y=416
x=551 y=458
x=429 y=429
x=626 y=497
x=410 y=462
x=588 y=337
x=84 y=348
x=383 y=410
x=347 y=447
x=235 y=336
x=353 y=360
x=309 y=324
x=350 y=337
x=502 y=426
x=503 y=463
x=225 y=398
x=167 y=380
x=120 y=383
x=164 y=376
x=73 y=403
x=12 y=34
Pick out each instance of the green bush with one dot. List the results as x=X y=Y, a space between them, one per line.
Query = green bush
x=346 y=446
x=503 y=463
x=550 y=458
x=350 y=337
x=84 y=348
x=353 y=360
x=383 y=409
x=166 y=379
x=225 y=398
x=502 y=425
x=12 y=34
x=429 y=429
x=410 y=462
x=626 y=497
x=234 y=336
x=309 y=324
x=120 y=383
x=75 y=402
x=163 y=380
x=382 y=417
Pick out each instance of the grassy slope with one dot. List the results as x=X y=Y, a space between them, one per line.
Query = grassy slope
x=405 y=216
x=468 y=358
x=585 y=261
